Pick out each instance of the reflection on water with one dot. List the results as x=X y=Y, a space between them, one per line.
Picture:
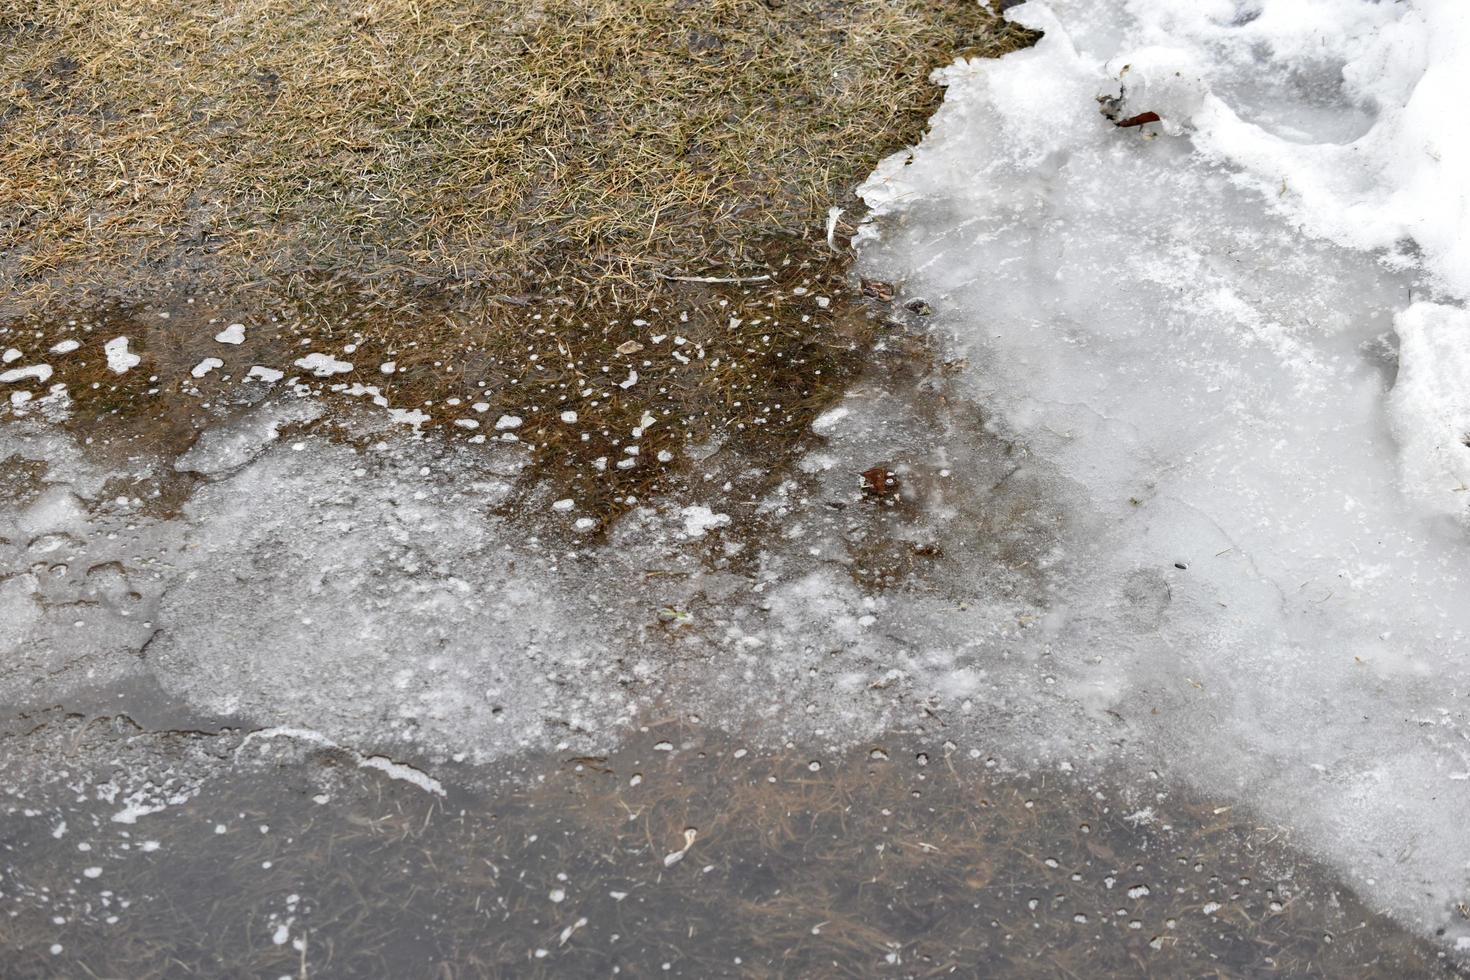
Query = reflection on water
x=682 y=854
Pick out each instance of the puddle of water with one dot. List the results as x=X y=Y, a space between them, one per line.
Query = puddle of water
x=683 y=854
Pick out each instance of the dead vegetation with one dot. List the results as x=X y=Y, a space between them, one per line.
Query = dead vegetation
x=148 y=146
x=500 y=199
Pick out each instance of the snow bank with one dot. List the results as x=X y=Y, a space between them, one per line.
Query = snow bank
x=1346 y=115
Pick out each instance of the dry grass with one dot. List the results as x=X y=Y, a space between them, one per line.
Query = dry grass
x=146 y=144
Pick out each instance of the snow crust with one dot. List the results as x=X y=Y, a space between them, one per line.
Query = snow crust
x=1201 y=330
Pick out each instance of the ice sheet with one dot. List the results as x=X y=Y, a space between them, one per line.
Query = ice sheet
x=1267 y=588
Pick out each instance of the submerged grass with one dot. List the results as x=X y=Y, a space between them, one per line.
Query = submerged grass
x=502 y=200
x=684 y=853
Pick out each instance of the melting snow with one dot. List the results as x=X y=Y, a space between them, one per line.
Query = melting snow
x=205 y=366
x=323 y=365
x=1213 y=522
x=119 y=359
x=1183 y=326
x=35 y=372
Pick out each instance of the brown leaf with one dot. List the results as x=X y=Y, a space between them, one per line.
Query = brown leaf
x=1138 y=120
x=877 y=289
x=880 y=481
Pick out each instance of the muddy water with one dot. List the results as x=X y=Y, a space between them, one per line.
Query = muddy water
x=684 y=853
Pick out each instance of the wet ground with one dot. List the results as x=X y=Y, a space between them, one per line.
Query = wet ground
x=141 y=838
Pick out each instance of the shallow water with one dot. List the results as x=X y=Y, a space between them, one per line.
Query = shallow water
x=684 y=853
x=143 y=833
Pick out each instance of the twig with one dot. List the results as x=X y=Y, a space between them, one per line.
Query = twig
x=761 y=278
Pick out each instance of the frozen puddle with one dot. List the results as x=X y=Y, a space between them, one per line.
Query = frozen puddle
x=1256 y=435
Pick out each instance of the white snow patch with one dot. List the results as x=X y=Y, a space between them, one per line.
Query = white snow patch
x=205 y=366
x=323 y=365
x=35 y=372
x=119 y=359
x=408 y=416
x=233 y=334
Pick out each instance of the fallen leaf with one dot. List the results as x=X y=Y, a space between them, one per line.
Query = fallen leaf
x=1138 y=120
x=880 y=481
x=878 y=289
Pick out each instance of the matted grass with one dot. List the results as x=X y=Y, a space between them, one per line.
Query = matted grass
x=152 y=144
